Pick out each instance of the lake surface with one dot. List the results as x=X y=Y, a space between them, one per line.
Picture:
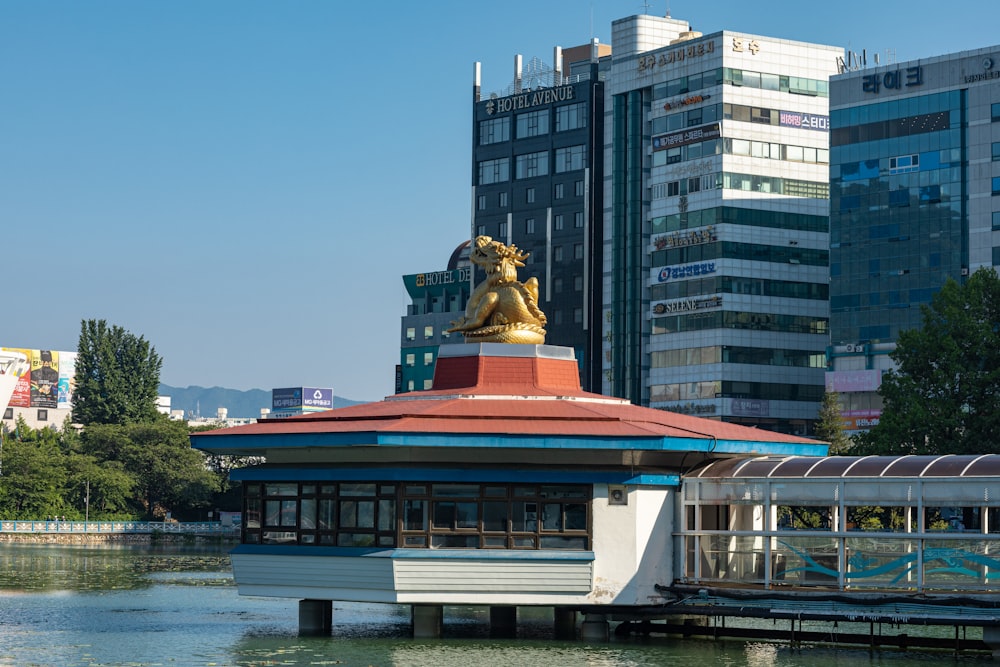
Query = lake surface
x=141 y=607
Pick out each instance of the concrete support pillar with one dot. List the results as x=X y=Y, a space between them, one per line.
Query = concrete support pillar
x=427 y=620
x=595 y=628
x=565 y=623
x=503 y=622
x=315 y=617
x=991 y=636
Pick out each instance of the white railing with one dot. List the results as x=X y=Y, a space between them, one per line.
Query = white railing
x=139 y=527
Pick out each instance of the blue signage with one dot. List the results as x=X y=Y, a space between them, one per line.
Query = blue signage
x=668 y=273
x=301 y=397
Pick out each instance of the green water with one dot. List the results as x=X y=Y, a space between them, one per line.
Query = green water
x=140 y=607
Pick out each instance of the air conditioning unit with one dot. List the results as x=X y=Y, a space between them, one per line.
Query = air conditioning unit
x=850 y=347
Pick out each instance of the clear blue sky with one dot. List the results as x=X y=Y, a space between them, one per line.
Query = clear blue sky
x=244 y=182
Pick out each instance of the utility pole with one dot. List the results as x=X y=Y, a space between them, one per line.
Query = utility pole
x=86 y=503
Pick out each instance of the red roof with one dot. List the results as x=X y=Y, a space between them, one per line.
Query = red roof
x=520 y=390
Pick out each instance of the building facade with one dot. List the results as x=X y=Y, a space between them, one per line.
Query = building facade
x=537 y=166
x=914 y=186
x=716 y=223
x=38 y=387
x=437 y=299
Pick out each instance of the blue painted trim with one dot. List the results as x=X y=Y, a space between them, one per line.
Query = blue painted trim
x=422 y=554
x=228 y=443
x=513 y=475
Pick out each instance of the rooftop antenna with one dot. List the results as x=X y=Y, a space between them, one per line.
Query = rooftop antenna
x=668 y=9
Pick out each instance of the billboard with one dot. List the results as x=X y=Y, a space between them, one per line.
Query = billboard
x=301 y=399
x=48 y=382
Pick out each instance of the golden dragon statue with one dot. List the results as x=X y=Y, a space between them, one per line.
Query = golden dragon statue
x=501 y=309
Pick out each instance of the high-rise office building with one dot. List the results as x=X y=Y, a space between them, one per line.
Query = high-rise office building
x=537 y=168
x=716 y=223
x=914 y=200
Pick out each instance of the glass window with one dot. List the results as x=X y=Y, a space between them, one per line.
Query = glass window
x=428 y=358
x=996 y=220
x=559 y=191
x=558 y=220
x=428 y=384
x=532 y=123
x=530 y=165
x=494 y=171
x=494 y=130
x=571 y=116
x=428 y=331
x=503 y=230
x=529 y=226
x=578 y=219
x=996 y=185
x=529 y=195
x=411 y=333
x=996 y=150
x=502 y=199
x=481 y=202
x=578 y=188
x=570 y=158
x=411 y=359
x=577 y=251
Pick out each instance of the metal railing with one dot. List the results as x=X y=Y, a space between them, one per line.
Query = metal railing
x=845 y=561
x=137 y=527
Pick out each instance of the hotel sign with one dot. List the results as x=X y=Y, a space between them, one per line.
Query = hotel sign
x=532 y=99
x=443 y=277
x=691 y=136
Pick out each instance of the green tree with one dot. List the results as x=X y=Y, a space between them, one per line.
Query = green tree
x=33 y=474
x=100 y=490
x=944 y=397
x=168 y=475
x=117 y=376
x=830 y=425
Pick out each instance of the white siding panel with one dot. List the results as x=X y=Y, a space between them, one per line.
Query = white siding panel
x=312 y=572
x=493 y=576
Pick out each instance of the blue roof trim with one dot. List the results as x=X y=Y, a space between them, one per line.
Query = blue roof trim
x=318 y=474
x=423 y=554
x=224 y=443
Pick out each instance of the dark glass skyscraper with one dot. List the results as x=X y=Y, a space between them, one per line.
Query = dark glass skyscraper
x=537 y=169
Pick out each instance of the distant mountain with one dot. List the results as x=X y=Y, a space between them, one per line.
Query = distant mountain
x=199 y=401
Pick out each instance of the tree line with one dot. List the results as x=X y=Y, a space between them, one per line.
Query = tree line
x=117 y=458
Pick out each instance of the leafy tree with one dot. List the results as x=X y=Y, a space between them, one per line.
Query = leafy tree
x=944 y=398
x=168 y=475
x=33 y=475
x=117 y=376
x=830 y=426
x=105 y=489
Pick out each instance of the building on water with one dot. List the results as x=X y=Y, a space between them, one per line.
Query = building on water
x=505 y=485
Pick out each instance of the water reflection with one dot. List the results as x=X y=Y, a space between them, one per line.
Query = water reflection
x=144 y=608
